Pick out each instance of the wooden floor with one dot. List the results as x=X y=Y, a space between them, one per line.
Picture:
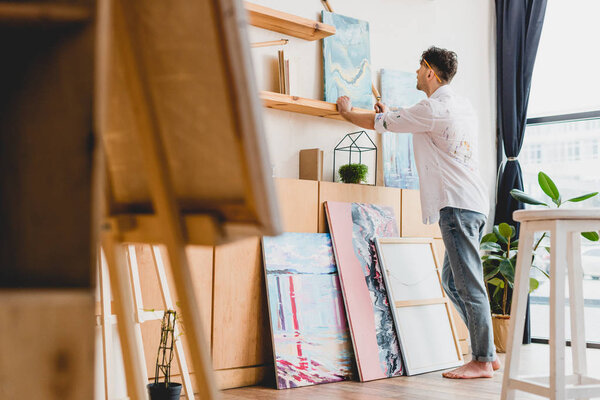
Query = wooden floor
x=430 y=386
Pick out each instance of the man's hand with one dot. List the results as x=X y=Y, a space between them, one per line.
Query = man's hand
x=344 y=104
x=380 y=107
x=363 y=119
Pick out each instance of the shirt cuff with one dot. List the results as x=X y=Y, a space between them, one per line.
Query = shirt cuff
x=379 y=123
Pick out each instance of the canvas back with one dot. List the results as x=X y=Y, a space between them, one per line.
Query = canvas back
x=182 y=69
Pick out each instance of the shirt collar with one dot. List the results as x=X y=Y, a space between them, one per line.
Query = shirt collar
x=442 y=90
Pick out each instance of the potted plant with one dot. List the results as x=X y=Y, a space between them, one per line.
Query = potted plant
x=500 y=255
x=353 y=173
x=499 y=260
x=165 y=390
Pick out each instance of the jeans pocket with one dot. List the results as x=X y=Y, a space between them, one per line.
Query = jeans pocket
x=447 y=219
x=472 y=222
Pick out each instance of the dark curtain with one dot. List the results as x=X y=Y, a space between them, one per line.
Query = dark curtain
x=518 y=30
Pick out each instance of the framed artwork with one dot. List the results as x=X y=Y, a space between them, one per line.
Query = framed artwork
x=347 y=61
x=353 y=228
x=399 y=89
x=311 y=340
x=422 y=313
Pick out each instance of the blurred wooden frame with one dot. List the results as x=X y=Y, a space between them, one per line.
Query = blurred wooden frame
x=186 y=160
x=141 y=314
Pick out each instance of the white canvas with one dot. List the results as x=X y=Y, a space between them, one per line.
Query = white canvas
x=412 y=283
x=427 y=337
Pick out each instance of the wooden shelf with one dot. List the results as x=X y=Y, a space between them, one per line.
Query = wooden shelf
x=42 y=13
x=302 y=105
x=288 y=24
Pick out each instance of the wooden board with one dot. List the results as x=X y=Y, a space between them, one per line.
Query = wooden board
x=293 y=25
x=317 y=108
x=240 y=377
x=46 y=153
x=201 y=229
x=161 y=79
x=45 y=14
x=47 y=344
x=240 y=334
x=345 y=192
x=298 y=203
x=412 y=222
x=422 y=314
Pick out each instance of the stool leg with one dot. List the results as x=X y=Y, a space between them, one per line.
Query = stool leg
x=518 y=308
x=578 y=345
x=558 y=263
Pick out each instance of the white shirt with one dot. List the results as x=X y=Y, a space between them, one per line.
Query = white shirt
x=444 y=129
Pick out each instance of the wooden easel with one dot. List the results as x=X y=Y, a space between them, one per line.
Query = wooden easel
x=186 y=159
x=141 y=315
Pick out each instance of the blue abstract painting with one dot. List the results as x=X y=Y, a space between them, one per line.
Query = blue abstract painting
x=398 y=90
x=311 y=339
x=347 y=61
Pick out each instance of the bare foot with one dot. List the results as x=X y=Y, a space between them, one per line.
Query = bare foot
x=496 y=364
x=473 y=369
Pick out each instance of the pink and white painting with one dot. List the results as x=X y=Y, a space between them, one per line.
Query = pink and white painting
x=311 y=340
x=353 y=228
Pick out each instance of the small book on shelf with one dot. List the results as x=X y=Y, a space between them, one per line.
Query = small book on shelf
x=284 y=76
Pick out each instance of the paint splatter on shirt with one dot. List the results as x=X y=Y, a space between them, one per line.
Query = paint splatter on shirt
x=444 y=128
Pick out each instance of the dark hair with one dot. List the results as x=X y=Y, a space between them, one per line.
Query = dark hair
x=444 y=61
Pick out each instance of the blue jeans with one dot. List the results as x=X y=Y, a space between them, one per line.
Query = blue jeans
x=462 y=277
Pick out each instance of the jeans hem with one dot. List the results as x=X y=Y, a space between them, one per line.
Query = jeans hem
x=483 y=358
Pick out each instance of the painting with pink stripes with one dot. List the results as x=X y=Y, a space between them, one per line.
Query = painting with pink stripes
x=353 y=228
x=311 y=341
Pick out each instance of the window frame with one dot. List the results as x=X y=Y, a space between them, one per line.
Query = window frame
x=562 y=118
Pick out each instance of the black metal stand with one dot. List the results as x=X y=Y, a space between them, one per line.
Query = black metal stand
x=165 y=348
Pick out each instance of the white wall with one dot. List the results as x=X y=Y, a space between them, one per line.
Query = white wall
x=400 y=30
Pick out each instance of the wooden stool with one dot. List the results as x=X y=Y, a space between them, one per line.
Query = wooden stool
x=565 y=227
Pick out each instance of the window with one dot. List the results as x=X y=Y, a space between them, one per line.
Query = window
x=534 y=153
x=573 y=151
x=562 y=139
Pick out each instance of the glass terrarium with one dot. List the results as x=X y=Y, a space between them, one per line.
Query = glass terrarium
x=356 y=147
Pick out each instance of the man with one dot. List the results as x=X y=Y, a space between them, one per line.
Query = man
x=444 y=128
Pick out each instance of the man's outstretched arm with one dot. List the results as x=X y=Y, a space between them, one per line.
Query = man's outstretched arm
x=362 y=119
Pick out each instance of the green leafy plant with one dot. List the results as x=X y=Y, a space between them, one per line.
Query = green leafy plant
x=551 y=190
x=353 y=173
x=500 y=249
x=499 y=263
